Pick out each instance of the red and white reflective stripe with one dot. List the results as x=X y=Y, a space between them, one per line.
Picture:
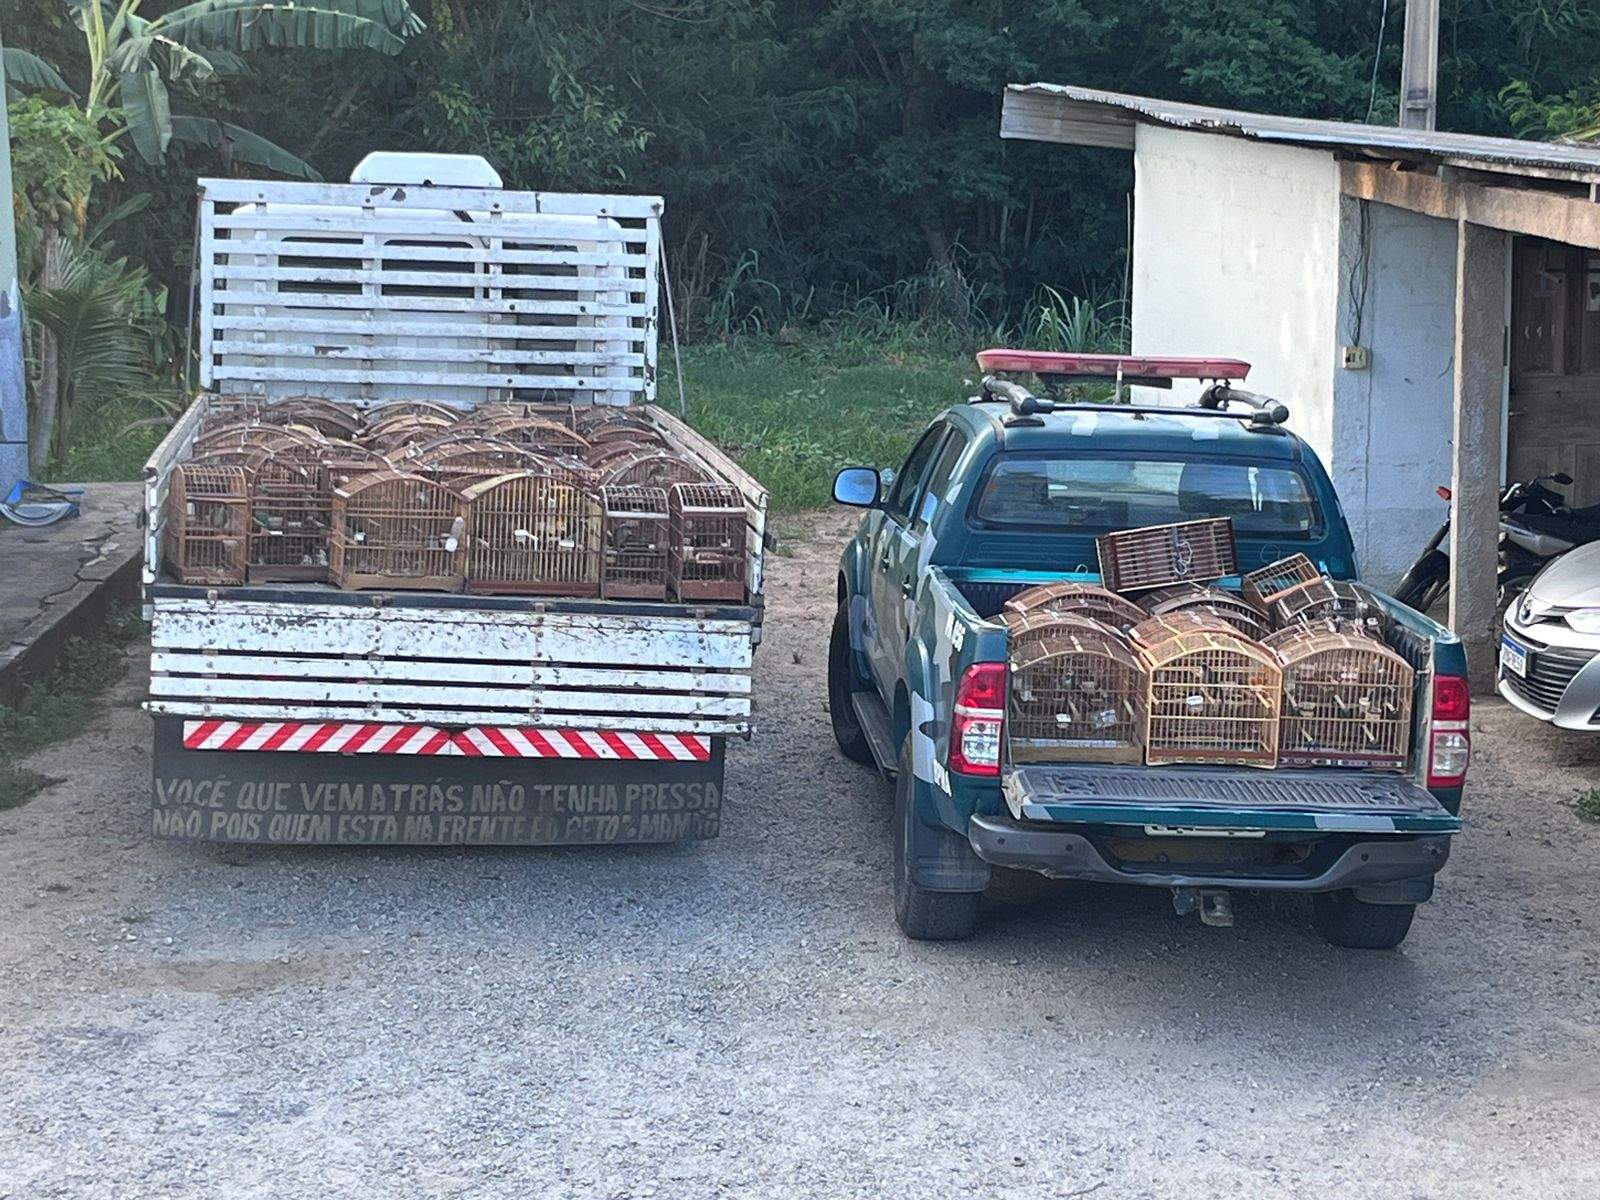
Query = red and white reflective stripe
x=478 y=741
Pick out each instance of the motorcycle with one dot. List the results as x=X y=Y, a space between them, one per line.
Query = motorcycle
x=1535 y=526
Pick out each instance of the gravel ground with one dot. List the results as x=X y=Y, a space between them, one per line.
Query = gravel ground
x=741 y=1017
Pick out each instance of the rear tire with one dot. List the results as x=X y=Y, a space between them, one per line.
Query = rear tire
x=1424 y=584
x=847 y=729
x=1342 y=920
x=923 y=915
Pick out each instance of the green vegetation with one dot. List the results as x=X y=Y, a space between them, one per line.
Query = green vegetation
x=1588 y=805
x=60 y=705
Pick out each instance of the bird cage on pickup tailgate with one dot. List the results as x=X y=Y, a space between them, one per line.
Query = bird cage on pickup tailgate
x=651 y=467
x=707 y=559
x=1320 y=598
x=291 y=511
x=1134 y=559
x=1346 y=700
x=208 y=512
x=1262 y=586
x=1186 y=597
x=1078 y=599
x=1213 y=698
x=531 y=534
x=637 y=540
x=392 y=529
x=1075 y=692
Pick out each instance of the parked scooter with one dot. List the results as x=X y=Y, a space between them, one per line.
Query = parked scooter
x=1535 y=526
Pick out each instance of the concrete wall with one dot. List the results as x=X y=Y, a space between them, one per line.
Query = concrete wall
x=1392 y=428
x=1236 y=253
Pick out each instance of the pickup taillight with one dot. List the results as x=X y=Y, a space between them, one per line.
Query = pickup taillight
x=979 y=717
x=1449 y=742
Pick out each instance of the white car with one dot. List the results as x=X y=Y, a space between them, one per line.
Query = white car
x=1548 y=653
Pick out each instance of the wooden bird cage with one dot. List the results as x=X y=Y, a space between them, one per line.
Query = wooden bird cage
x=468 y=456
x=394 y=529
x=637 y=540
x=653 y=468
x=1076 y=692
x=1134 y=559
x=394 y=409
x=1079 y=599
x=1154 y=630
x=1346 y=701
x=1320 y=598
x=562 y=414
x=623 y=433
x=291 y=510
x=1263 y=585
x=531 y=534
x=327 y=417
x=1243 y=616
x=246 y=458
x=1213 y=698
x=396 y=434
x=539 y=434
x=341 y=462
x=707 y=558
x=208 y=510
x=254 y=434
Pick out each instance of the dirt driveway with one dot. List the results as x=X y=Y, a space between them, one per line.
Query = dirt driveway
x=741 y=1017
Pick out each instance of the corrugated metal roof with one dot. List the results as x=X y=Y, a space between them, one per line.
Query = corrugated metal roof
x=1097 y=108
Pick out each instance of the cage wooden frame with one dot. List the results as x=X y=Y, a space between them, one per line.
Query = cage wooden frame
x=1075 y=692
x=1153 y=555
x=1214 y=698
x=1347 y=701
x=1085 y=599
x=207 y=527
x=1235 y=610
x=390 y=410
x=529 y=533
x=291 y=513
x=1319 y=598
x=397 y=530
x=708 y=533
x=637 y=542
x=397 y=434
x=539 y=434
x=328 y=417
x=1263 y=585
x=1152 y=631
x=654 y=468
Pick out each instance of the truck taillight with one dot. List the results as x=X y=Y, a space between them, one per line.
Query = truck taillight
x=978 y=719
x=1449 y=742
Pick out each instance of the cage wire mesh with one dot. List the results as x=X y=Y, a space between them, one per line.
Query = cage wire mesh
x=637 y=540
x=1346 y=700
x=207 y=523
x=531 y=534
x=1262 y=585
x=1152 y=555
x=707 y=557
x=394 y=529
x=291 y=511
x=1083 y=599
x=1320 y=598
x=1153 y=630
x=1076 y=691
x=1213 y=698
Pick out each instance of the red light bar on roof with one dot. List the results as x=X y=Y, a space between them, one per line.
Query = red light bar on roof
x=1105 y=366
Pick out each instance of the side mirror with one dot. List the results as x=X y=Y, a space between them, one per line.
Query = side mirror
x=858 y=487
x=1561 y=478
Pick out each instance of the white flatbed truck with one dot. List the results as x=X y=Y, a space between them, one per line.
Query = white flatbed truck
x=301 y=713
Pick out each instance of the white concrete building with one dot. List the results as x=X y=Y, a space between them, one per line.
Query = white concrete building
x=1327 y=255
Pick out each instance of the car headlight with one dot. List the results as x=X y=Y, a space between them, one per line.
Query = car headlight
x=1584 y=620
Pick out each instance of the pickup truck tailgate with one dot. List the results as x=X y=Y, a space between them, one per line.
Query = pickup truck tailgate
x=1320 y=801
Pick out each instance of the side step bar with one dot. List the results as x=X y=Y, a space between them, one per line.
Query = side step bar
x=879 y=728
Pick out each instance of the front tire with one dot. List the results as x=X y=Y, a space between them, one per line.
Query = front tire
x=923 y=915
x=847 y=729
x=1425 y=583
x=1353 y=924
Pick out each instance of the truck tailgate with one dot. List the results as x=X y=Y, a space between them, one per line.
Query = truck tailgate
x=1321 y=801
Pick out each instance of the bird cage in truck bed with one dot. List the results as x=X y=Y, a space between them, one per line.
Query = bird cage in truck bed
x=291 y=511
x=636 y=543
x=395 y=435
x=1078 y=599
x=467 y=456
x=208 y=511
x=707 y=559
x=1320 y=598
x=343 y=461
x=1188 y=597
x=1262 y=585
x=1153 y=630
x=652 y=468
x=1076 y=691
x=539 y=434
x=413 y=408
x=1346 y=700
x=327 y=417
x=1213 y=698
x=392 y=529
x=531 y=534
x=1134 y=559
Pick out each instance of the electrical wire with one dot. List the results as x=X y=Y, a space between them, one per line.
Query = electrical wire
x=672 y=322
x=1377 y=57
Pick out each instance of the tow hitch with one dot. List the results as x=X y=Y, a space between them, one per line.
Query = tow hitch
x=1215 y=905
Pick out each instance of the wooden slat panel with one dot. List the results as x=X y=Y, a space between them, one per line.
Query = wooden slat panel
x=452 y=354
x=666 y=723
x=413 y=198
x=308 y=376
x=338 y=276
x=239 y=226
x=474 y=249
x=430 y=304
x=399 y=327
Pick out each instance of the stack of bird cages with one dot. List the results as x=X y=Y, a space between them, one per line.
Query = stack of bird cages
x=394 y=434
x=652 y=468
x=413 y=408
x=1154 y=630
x=1134 y=559
x=1346 y=700
x=207 y=533
x=1078 y=599
x=463 y=458
x=1320 y=598
x=1076 y=691
x=291 y=511
x=531 y=534
x=637 y=539
x=539 y=434
x=1185 y=597
x=394 y=529
x=1213 y=698
x=1262 y=586
x=327 y=417
x=707 y=559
